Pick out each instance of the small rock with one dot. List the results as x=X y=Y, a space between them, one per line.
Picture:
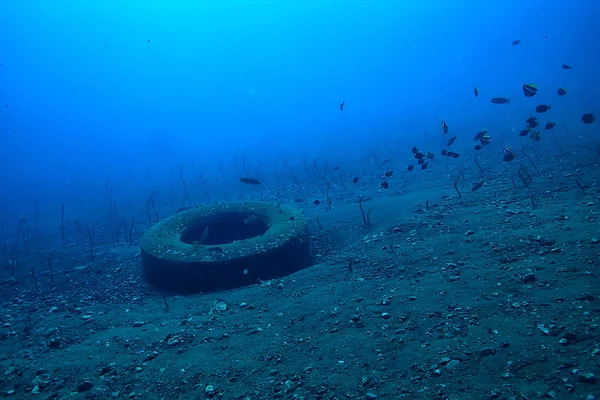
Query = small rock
x=587 y=377
x=487 y=351
x=84 y=386
x=137 y=324
x=469 y=233
x=385 y=315
x=452 y=364
x=529 y=278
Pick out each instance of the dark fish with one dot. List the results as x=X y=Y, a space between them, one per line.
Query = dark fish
x=342 y=104
x=529 y=90
x=421 y=161
x=516 y=42
x=478 y=147
x=550 y=125
x=535 y=135
x=444 y=151
x=355 y=179
x=424 y=165
x=411 y=167
x=509 y=154
x=455 y=155
x=337 y=168
x=524 y=132
x=429 y=155
x=444 y=128
x=542 y=108
x=449 y=154
x=389 y=173
x=415 y=150
x=532 y=122
x=588 y=118
x=500 y=100
x=451 y=141
x=485 y=140
x=316 y=202
x=250 y=181
x=566 y=66
x=481 y=134
x=476 y=91
x=561 y=91
x=477 y=186
x=384 y=185
x=419 y=155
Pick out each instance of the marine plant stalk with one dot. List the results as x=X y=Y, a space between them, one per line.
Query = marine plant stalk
x=362 y=212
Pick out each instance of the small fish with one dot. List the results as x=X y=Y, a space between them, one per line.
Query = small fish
x=532 y=122
x=316 y=202
x=485 y=140
x=535 y=135
x=588 y=118
x=561 y=91
x=516 y=42
x=419 y=155
x=450 y=154
x=480 y=134
x=388 y=173
x=384 y=185
x=424 y=165
x=509 y=154
x=250 y=181
x=550 y=125
x=524 y=132
x=542 y=108
x=529 y=90
x=342 y=104
x=421 y=161
x=444 y=128
x=477 y=186
x=566 y=66
x=478 y=147
x=444 y=151
x=411 y=167
x=415 y=150
x=476 y=91
x=500 y=100
x=451 y=141
x=355 y=179
x=455 y=155
x=429 y=155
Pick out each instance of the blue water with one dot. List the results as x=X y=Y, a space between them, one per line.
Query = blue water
x=99 y=93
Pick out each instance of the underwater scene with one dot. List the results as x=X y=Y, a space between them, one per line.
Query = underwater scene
x=300 y=199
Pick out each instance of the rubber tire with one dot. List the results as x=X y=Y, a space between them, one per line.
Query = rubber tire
x=173 y=265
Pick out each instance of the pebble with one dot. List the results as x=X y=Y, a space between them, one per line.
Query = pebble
x=469 y=233
x=452 y=364
x=487 y=351
x=529 y=278
x=587 y=377
x=137 y=324
x=84 y=386
x=385 y=315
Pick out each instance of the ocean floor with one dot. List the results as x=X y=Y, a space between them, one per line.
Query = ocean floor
x=492 y=295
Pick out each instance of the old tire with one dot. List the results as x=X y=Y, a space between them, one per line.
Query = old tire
x=225 y=246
